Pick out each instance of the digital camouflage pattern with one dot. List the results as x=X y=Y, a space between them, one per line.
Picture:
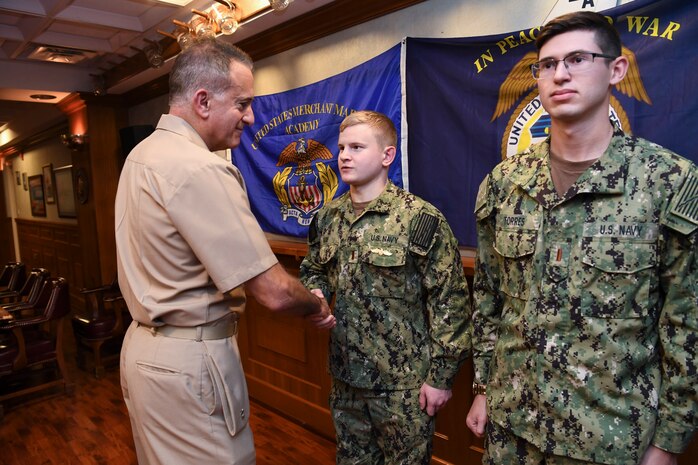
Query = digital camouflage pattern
x=399 y=432
x=586 y=307
x=505 y=448
x=402 y=304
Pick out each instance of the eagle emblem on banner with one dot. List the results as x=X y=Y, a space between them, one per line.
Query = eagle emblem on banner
x=304 y=188
x=529 y=122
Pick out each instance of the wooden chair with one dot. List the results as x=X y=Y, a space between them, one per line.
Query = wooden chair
x=34 y=304
x=29 y=289
x=100 y=330
x=6 y=274
x=35 y=301
x=12 y=276
x=32 y=360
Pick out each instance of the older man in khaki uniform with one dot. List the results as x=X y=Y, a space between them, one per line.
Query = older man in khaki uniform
x=187 y=243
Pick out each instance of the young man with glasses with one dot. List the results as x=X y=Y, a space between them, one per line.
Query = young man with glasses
x=586 y=293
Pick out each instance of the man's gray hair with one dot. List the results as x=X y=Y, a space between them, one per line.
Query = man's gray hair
x=204 y=64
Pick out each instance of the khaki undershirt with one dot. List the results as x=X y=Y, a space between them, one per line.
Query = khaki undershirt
x=565 y=173
x=359 y=207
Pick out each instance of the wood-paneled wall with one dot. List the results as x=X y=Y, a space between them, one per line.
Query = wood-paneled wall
x=56 y=247
x=7 y=243
x=285 y=362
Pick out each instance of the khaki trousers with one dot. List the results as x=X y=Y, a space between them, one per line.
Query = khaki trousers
x=187 y=400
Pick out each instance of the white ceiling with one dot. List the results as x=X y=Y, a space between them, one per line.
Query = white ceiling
x=108 y=31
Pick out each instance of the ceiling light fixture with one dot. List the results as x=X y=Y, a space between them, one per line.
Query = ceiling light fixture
x=184 y=37
x=202 y=25
x=153 y=52
x=278 y=5
x=224 y=16
x=42 y=96
x=99 y=86
x=224 y=19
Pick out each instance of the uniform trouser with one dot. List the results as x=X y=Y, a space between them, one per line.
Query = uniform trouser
x=187 y=400
x=504 y=448
x=380 y=427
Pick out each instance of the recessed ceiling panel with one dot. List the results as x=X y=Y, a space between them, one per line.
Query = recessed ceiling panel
x=60 y=54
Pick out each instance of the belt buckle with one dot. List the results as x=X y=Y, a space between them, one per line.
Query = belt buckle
x=152 y=329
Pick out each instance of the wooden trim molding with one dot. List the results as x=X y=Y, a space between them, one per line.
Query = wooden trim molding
x=33 y=140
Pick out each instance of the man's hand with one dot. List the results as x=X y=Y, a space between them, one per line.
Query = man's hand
x=325 y=319
x=477 y=416
x=656 y=456
x=431 y=399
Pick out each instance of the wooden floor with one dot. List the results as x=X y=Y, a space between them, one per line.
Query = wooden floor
x=91 y=427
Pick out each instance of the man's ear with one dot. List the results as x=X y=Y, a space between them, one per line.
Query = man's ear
x=202 y=103
x=389 y=155
x=619 y=68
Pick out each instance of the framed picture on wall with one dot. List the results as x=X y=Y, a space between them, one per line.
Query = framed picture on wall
x=49 y=192
x=36 y=195
x=18 y=175
x=65 y=196
x=24 y=181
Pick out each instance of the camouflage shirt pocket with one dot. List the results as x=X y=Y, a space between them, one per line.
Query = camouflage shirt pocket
x=618 y=277
x=516 y=249
x=326 y=258
x=327 y=253
x=385 y=271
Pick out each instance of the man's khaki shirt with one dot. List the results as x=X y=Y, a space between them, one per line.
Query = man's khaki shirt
x=185 y=235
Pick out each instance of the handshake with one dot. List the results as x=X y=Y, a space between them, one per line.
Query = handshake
x=325 y=319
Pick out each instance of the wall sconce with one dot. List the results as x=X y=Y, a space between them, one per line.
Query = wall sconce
x=278 y=5
x=74 y=141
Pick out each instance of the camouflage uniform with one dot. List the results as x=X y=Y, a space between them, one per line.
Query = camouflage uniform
x=586 y=306
x=402 y=302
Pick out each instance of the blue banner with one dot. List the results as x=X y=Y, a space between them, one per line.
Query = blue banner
x=470 y=102
x=288 y=158
x=473 y=101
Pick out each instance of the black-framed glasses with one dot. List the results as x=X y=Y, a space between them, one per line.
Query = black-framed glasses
x=574 y=62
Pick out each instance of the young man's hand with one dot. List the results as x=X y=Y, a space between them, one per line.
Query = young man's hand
x=477 y=416
x=432 y=399
x=656 y=456
x=325 y=319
